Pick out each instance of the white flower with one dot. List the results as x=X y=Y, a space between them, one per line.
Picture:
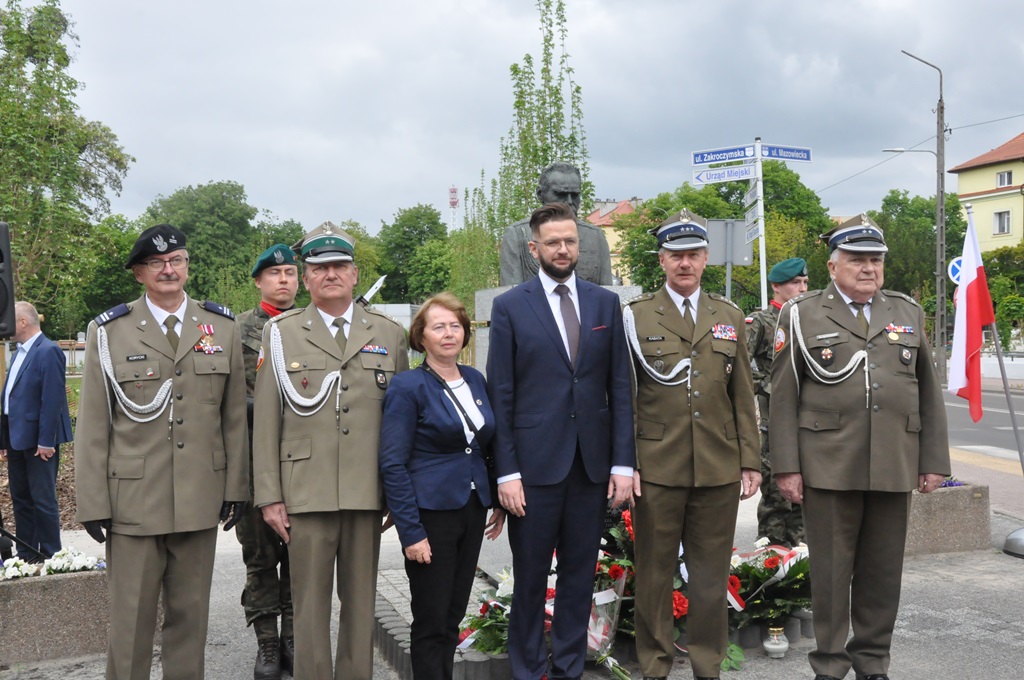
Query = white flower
x=735 y=561
x=761 y=542
x=71 y=560
x=16 y=568
x=507 y=582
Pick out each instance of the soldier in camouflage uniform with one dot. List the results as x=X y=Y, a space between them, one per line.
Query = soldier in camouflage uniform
x=779 y=520
x=267 y=593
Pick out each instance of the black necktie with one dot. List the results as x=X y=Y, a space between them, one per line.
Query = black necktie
x=172 y=335
x=569 y=318
x=688 y=323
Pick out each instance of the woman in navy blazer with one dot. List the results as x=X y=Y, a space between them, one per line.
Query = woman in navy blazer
x=436 y=479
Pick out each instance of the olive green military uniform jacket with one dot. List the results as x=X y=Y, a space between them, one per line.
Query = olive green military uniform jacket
x=326 y=461
x=705 y=435
x=877 y=436
x=250 y=327
x=173 y=473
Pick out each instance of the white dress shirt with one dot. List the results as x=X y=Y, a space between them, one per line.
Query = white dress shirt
x=161 y=314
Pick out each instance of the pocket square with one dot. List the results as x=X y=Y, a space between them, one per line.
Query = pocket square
x=599 y=328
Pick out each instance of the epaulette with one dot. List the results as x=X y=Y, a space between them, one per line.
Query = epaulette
x=804 y=296
x=374 y=310
x=217 y=309
x=112 y=313
x=722 y=298
x=286 y=314
x=640 y=298
x=896 y=293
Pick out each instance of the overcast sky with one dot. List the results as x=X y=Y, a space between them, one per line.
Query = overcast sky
x=344 y=110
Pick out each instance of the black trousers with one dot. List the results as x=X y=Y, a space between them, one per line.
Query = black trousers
x=440 y=590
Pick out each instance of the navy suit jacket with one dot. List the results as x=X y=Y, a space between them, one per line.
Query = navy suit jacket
x=542 y=406
x=37 y=411
x=424 y=462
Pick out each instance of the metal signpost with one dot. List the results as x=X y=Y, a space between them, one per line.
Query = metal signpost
x=753 y=199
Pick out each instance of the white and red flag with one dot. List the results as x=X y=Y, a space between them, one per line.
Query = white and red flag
x=973 y=311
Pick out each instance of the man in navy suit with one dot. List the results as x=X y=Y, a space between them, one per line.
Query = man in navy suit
x=34 y=423
x=560 y=387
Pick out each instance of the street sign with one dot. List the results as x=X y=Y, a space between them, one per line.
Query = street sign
x=730 y=173
x=786 y=153
x=735 y=153
x=750 y=197
x=752 y=214
x=753 y=231
x=724 y=245
x=954 y=270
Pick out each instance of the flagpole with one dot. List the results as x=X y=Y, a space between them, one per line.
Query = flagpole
x=1006 y=391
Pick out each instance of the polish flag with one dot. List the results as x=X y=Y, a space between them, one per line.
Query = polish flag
x=973 y=311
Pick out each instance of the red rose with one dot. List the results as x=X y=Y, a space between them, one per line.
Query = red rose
x=680 y=605
x=772 y=562
x=483 y=609
x=550 y=594
x=627 y=519
x=615 y=572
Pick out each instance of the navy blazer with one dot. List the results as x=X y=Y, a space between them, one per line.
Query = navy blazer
x=37 y=413
x=542 y=406
x=425 y=461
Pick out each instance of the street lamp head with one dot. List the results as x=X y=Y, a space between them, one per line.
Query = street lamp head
x=900 y=149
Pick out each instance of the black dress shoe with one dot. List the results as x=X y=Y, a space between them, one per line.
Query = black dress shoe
x=876 y=676
x=825 y=677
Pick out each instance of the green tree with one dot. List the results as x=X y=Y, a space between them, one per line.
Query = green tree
x=216 y=219
x=412 y=228
x=430 y=270
x=547 y=126
x=1009 y=315
x=368 y=257
x=55 y=166
x=474 y=264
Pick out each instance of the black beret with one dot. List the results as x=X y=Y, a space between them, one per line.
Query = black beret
x=158 y=240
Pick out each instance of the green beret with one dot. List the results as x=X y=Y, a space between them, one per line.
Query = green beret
x=788 y=270
x=274 y=256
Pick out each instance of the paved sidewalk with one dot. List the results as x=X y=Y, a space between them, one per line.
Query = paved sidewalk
x=960 y=618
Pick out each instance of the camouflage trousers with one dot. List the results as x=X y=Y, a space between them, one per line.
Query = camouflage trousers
x=779 y=520
x=268 y=592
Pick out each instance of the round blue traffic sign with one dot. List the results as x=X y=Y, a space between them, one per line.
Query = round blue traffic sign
x=954 y=269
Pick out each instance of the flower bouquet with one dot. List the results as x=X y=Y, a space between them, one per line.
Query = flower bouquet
x=16 y=567
x=609 y=585
x=768 y=584
x=487 y=631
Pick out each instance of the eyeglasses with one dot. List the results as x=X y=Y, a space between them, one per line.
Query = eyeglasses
x=177 y=262
x=556 y=243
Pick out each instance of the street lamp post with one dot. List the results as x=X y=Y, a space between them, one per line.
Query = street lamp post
x=940 y=223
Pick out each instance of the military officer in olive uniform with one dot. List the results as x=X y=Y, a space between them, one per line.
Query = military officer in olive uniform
x=160 y=456
x=778 y=520
x=319 y=395
x=858 y=422
x=697 y=449
x=267 y=593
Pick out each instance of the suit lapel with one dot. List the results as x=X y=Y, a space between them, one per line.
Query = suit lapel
x=839 y=311
x=537 y=300
x=705 y=318
x=670 y=316
x=150 y=332
x=318 y=333
x=881 y=315
x=29 y=356
x=361 y=332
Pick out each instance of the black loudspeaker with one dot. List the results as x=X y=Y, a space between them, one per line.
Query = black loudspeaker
x=7 y=325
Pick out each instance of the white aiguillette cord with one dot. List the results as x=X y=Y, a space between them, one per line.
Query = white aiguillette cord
x=818 y=372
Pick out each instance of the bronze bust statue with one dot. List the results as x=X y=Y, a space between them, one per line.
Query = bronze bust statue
x=559 y=183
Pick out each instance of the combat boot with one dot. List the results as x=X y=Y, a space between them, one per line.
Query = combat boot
x=268 y=659
x=288 y=653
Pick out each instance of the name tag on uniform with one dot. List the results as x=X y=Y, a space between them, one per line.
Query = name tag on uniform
x=135 y=357
x=654 y=338
x=374 y=349
x=824 y=336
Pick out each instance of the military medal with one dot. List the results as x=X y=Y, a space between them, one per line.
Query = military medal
x=728 y=368
x=658 y=365
x=894 y=336
x=906 y=356
x=205 y=344
x=381 y=378
x=149 y=372
x=826 y=356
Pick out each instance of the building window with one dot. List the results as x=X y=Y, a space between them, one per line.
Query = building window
x=1001 y=223
x=1004 y=179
